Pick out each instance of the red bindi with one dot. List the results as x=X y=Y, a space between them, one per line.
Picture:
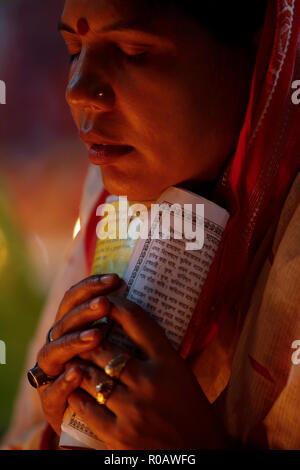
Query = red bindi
x=82 y=27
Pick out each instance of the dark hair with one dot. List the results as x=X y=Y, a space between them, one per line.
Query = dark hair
x=234 y=22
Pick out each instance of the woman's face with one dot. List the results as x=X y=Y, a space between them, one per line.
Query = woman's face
x=156 y=82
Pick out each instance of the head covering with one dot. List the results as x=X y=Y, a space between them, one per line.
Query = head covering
x=256 y=180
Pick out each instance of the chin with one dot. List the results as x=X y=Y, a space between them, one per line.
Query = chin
x=134 y=188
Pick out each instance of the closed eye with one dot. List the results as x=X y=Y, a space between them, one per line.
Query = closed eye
x=134 y=58
x=137 y=58
x=134 y=55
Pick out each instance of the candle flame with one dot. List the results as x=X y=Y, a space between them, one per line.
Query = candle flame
x=77 y=228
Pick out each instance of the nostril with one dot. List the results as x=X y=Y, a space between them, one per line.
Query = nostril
x=85 y=91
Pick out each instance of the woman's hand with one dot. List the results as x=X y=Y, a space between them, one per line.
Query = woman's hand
x=80 y=306
x=157 y=403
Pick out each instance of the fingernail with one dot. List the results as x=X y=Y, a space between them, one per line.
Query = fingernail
x=88 y=335
x=108 y=278
x=95 y=303
x=71 y=375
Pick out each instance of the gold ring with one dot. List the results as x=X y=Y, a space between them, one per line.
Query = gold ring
x=114 y=367
x=104 y=390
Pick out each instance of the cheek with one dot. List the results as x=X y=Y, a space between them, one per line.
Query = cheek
x=165 y=131
x=154 y=119
x=178 y=125
x=161 y=106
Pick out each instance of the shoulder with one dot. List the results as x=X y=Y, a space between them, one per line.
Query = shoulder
x=263 y=395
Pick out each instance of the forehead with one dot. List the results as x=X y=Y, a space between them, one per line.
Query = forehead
x=105 y=11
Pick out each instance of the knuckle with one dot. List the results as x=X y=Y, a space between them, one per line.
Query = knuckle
x=70 y=320
x=69 y=292
x=69 y=342
x=57 y=330
x=65 y=324
x=135 y=412
x=133 y=375
x=43 y=356
x=49 y=407
x=84 y=283
x=150 y=382
x=49 y=403
x=72 y=290
x=66 y=296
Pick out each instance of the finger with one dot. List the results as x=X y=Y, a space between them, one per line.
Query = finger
x=140 y=327
x=102 y=355
x=87 y=289
x=81 y=316
x=54 y=397
x=92 y=376
x=54 y=355
x=77 y=362
x=99 y=420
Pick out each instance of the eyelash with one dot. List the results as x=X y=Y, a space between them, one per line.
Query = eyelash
x=133 y=58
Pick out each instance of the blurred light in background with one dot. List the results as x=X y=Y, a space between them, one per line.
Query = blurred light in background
x=42 y=163
x=77 y=228
x=3 y=251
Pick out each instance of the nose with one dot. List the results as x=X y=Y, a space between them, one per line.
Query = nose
x=87 y=89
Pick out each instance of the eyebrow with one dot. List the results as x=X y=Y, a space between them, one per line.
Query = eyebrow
x=118 y=26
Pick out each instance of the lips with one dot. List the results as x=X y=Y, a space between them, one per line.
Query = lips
x=101 y=154
x=103 y=150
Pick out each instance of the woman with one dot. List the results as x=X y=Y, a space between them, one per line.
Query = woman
x=205 y=104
